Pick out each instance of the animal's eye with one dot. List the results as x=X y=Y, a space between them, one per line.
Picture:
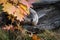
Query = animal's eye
x=31 y=20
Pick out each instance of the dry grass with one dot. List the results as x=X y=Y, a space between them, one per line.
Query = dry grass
x=47 y=35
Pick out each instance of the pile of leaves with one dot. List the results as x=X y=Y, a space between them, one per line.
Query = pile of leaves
x=15 y=9
x=12 y=12
x=19 y=8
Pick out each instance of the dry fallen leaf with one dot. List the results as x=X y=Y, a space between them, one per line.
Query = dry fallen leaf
x=35 y=37
x=24 y=9
x=9 y=8
x=19 y=15
x=25 y=2
x=14 y=1
x=20 y=11
x=3 y=1
x=8 y=27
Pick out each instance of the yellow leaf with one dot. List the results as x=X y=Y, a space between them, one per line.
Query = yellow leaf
x=24 y=8
x=19 y=11
x=25 y=2
x=3 y=1
x=14 y=1
x=19 y=15
x=9 y=8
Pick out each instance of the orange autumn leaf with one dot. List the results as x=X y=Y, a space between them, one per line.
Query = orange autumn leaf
x=14 y=1
x=35 y=37
x=25 y=2
x=9 y=8
x=15 y=11
x=31 y=1
x=8 y=27
x=20 y=11
x=3 y=1
x=19 y=15
x=23 y=9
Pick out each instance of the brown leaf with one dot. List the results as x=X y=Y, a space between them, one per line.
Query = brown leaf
x=3 y=1
x=35 y=37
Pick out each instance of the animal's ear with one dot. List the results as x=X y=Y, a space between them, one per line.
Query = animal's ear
x=34 y=18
